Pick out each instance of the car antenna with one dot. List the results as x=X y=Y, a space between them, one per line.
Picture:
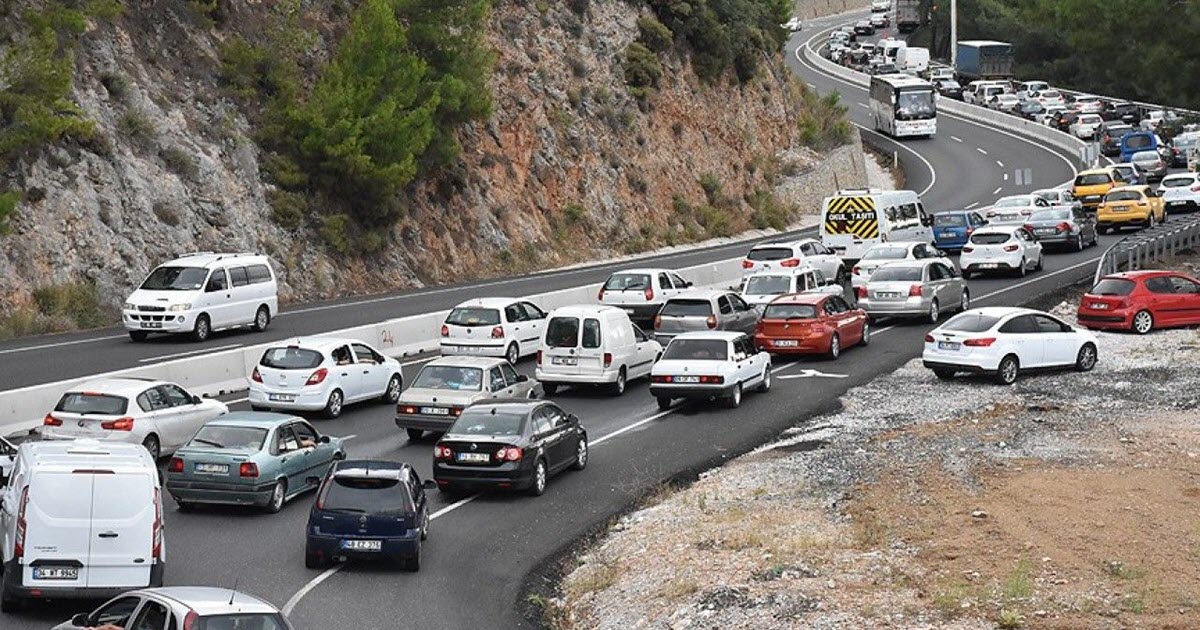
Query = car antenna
x=233 y=591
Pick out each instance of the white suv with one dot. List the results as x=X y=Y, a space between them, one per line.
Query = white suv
x=199 y=293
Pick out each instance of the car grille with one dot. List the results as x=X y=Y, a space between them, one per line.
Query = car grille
x=152 y=309
x=151 y=318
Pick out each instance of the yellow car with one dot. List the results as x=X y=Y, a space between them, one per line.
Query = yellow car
x=1130 y=205
x=1091 y=186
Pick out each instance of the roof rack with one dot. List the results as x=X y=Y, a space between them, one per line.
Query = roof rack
x=235 y=255
x=190 y=254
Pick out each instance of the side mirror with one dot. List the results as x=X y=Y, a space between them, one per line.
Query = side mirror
x=688 y=283
x=196 y=400
x=312 y=481
x=429 y=484
x=941 y=253
x=82 y=620
x=521 y=378
x=324 y=439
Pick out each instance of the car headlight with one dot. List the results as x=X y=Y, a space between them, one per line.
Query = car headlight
x=129 y=306
x=180 y=307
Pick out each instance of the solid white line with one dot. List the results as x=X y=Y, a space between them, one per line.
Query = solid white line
x=1001 y=165
x=59 y=344
x=417 y=361
x=189 y=353
x=932 y=172
x=981 y=150
x=1032 y=280
x=973 y=204
x=863 y=105
x=603 y=439
x=956 y=138
x=997 y=190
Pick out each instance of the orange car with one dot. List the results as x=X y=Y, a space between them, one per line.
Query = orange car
x=811 y=323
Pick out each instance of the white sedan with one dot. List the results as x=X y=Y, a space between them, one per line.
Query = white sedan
x=1015 y=208
x=1003 y=341
x=159 y=415
x=883 y=253
x=1009 y=248
x=708 y=365
x=323 y=374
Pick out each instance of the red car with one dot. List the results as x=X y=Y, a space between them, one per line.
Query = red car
x=811 y=323
x=1141 y=301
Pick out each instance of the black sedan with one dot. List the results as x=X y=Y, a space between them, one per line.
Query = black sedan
x=949 y=88
x=863 y=27
x=509 y=444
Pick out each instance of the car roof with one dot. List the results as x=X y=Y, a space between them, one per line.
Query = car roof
x=725 y=335
x=786 y=243
x=785 y=271
x=258 y=419
x=1142 y=273
x=907 y=264
x=210 y=259
x=370 y=468
x=208 y=600
x=117 y=386
x=69 y=453
x=800 y=298
x=523 y=405
x=646 y=270
x=476 y=362
x=316 y=343
x=487 y=302
x=1002 y=311
x=998 y=228
x=1103 y=170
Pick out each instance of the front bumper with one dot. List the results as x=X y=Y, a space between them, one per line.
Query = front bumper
x=691 y=392
x=304 y=401
x=164 y=322
x=219 y=493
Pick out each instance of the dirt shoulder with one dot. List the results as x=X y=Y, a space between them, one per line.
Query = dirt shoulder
x=1066 y=501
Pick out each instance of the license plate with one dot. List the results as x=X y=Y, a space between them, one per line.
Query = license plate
x=281 y=397
x=886 y=294
x=1045 y=231
x=947 y=235
x=212 y=469
x=474 y=458
x=949 y=345
x=362 y=545
x=564 y=361
x=151 y=324
x=435 y=411
x=55 y=573
x=989 y=266
x=785 y=343
x=1176 y=203
x=1100 y=306
x=686 y=379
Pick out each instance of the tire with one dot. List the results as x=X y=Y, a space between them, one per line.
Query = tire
x=540 y=475
x=414 y=434
x=943 y=375
x=138 y=335
x=964 y=304
x=765 y=385
x=153 y=446
x=392 y=393
x=1040 y=262
x=201 y=329
x=262 y=319
x=333 y=406
x=413 y=564
x=278 y=497
x=581 y=454
x=664 y=403
x=935 y=311
x=618 y=386
x=866 y=333
x=1008 y=370
x=512 y=354
x=735 y=399
x=549 y=389
x=8 y=603
x=835 y=347
x=1021 y=269
x=184 y=506
x=1086 y=359
x=1100 y=229
x=1143 y=322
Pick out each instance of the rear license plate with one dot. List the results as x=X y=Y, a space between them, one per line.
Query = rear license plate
x=55 y=573
x=886 y=294
x=212 y=469
x=474 y=458
x=435 y=411
x=151 y=324
x=362 y=545
x=1046 y=231
x=281 y=397
x=949 y=345
x=947 y=235
x=564 y=361
x=1100 y=306
x=989 y=266
x=785 y=343
x=686 y=379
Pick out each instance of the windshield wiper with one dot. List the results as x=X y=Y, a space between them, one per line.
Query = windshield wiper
x=208 y=442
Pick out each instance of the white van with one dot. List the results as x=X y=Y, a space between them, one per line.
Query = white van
x=854 y=220
x=912 y=59
x=198 y=293
x=593 y=345
x=888 y=49
x=80 y=520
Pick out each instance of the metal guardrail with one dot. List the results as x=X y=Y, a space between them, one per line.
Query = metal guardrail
x=1156 y=244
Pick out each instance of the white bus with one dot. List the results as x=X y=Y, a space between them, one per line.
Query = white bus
x=903 y=106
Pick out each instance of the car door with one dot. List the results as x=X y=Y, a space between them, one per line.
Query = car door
x=565 y=440
x=1188 y=292
x=369 y=369
x=117 y=612
x=1058 y=341
x=679 y=283
x=243 y=302
x=535 y=323
x=314 y=456
x=645 y=352
x=290 y=458
x=151 y=616
x=1165 y=304
x=545 y=437
x=516 y=387
x=1022 y=336
x=824 y=259
x=850 y=320
x=749 y=364
x=157 y=415
x=496 y=384
x=744 y=315
x=1033 y=249
x=218 y=300
x=180 y=420
x=345 y=373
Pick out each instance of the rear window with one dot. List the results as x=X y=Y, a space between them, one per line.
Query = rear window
x=1178 y=181
x=897 y=274
x=591 y=333
x=790 y=311
x=450 y=377
x=1137 y=141
x=697 y=350
x=366 y=494
x=291 y=358
x=971 y=322
x=990 y=238
x=1013 y=202
x=770 y=253
x=216 y=436
x=85 y=403
x=252 y=621
x=949 y=220
x=1112 y=286
x=687 y=308
x=1050 y=215
x=1123 y=195
x=562 y=332
x=768 y=285
x=1092 y=179
x=473 y=316
x=484 y=420
x=886 y=253
x=627 y=282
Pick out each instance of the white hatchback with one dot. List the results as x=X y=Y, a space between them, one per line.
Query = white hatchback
x=1180 y=192
x=493 y=327
x=1004 y=341
x=323 y=374
x=707 y=365
x=159 y=415
x=641 y=292
x=784 y=255
x=883 y=253
x=994 y=248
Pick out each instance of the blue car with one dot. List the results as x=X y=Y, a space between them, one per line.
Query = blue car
x=1136 y=142
x=251 y=458
x=368 y=510
x=952 y=228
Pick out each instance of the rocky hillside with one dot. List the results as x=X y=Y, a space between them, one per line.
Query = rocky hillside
x=600 y=139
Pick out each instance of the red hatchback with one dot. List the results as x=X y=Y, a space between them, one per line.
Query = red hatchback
x=811 y=323
x=1141 y=301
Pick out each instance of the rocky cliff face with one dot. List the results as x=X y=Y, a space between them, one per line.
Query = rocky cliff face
x=569 y=166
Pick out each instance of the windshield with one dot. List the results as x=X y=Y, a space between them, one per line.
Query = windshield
x=971 y=322
x=627 y=282
x=248 y=621
x=1092 y=179
x=1123 y=195
x=474 y=316
x=1051 y=215
x=790 y=311
x=697 y=350
x=451 y=377
x=291 y=358
x=768 y=285
x=915 y=105
x=769 y=253
x=366 y=494
x=897 y=274
x=85 y=403
x=687 y=308
x=1013 y=202
x=489 y=421
x=217 y=436
x=990 y=238
x=949 y=220
x=175 y=279
x=1112 y=286
x=1145 y=156
x=886 y=253
x=1137 y=141
x=1119 y=130
x=1178 y=182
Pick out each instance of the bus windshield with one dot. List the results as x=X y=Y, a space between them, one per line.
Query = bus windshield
x=915 y=105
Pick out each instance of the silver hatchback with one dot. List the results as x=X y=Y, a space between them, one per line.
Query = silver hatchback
x=703 y=310
x=916 y=288
x=1150 y=163
x=182 y=607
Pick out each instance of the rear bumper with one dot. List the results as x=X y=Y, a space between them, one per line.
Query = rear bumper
x=546 y=376
x=504 y=476
x=948 y=360
x=1108 y=320
x=13 y=587
x=1182 y=205
x=957 y=367
x=188 y=491
x=439 y=424
x=1122 y=220
x=912 y=307
x=306 y=401
x=804 y=345
x=691 y=392
x=329 y=546
x=459 y=347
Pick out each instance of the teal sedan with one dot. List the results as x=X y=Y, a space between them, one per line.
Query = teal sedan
x=251 y=458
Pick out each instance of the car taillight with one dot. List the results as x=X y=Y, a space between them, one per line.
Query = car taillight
x=445 y=330
x=498 y=332
x=322 y=493
x=255 y=376
x=120 y=424
x=747 y=264
x=1011 y=248
x=442 y=452
x=712 y=380
x=967 y=249
x=19 y=542
x=970 y=230
x=711 y=321
x=1196 y=188
x=317 y=377
x=861 y=292
x=407 y=409
x=791 y=262
x=657 y=322
x=660 y=379
x=189 y=621
x=248 y=469
x=176 y=465
x=51 y=421
x=600 y=295
x=1063 y=227
x=157 y=527
x=914 y=290
x=928 y=338
x=649 y=294
x=1028 y=227
x=454 y=411
x=607 y=359
x=539 y=357
x=855 y=270
x=982 y=342
x=510 y=454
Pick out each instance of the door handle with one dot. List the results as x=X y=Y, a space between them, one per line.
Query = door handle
x=345 y=374
x=108 y=534
x=366 y=371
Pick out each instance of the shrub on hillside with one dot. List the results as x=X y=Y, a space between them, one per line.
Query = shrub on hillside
x=642 y=67
x=726 y=33
x=654 y=34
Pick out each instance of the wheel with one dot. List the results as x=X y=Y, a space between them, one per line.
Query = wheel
x=735 y=399
x=138 y=335
x=943 y=375
x=967 y=275
x=333 y=407
x=835 y=346
x=512 y=354
x=152 y=446
x=549 y=389
x=425 y=526
x=538 y=487
x=202 y=329
x=1041 y=260
x=964 y=303
x=262 y=319
x=664 y=403
x=392 y=393
x=1086 y=359
x=184 y=506
x=1143 y=322
x=414 y=434
x=8 y=603
x=581 y=453
x=765 y=385
x=532 y=395
x=1021 y=268
x=866 y=333
x=413 y=564
x=1006 y=373
x=618 y=387
x=278 y=494
x=1100 y=229
x=935 y=311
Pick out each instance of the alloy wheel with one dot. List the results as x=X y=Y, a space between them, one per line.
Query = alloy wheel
x=934 y=311
x=1143 y=322
x=1087 y=358
x=512 y=355
x=393 y=389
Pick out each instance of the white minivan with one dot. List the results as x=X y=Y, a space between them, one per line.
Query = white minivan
x=80 y=520
x=198 y=293
x=593 y=345
x=852 y=221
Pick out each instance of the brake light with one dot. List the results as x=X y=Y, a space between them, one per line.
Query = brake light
x=157 y=527
x=928 y=338
x=255 y=376
x=408 y=409
x=914 y=290
x=539 y=357
x=660 y=379
x=791 y=262
x=982 y=342
x=711 y=321
x=317 y=377
x=322 y=493
x=509 y=453
x=445 y=330
x=176 y=465
x=442 y=452
x=454 y=411
x=712 y=380
x=600 y=295
x=19 y=543
x=657 y=322
x=607 y=359
x=248 y=469
x=969 y=231
x=1011 y=248
x=1196 y=188
x=51 y=421
x=967 y=249
x=854 y=270
x=1063 y=227
x=1028 y=227
x=747 y=264
x=649 y=294
x=498 y=332
x=120 y=424
x=861 y=292
x=189 y=622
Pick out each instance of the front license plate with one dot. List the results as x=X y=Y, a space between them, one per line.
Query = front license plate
x=362 y=545
x=686 y=379
x=151 y=324
x=212 y=469
x=435 y=411
x=564 y=361
x=785 y=343
x=474 y=458
x=949 y=345
x=281 y=397
x=55 y=573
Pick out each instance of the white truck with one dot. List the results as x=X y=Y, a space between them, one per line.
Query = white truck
x=912 y=59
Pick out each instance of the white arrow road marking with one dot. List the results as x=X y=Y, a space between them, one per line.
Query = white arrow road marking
x=813 y=373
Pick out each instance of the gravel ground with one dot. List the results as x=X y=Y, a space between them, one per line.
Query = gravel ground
x=1068 y=500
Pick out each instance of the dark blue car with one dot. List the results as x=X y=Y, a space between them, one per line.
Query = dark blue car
x=368 y=510
x=952 y=228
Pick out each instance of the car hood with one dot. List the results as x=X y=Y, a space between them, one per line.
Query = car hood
x=159 y=298
x=424 y=395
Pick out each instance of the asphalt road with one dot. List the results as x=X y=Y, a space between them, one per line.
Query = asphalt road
x=484 y=550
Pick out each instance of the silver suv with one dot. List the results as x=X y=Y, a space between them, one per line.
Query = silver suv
x=182 y=607
x=703 y=310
